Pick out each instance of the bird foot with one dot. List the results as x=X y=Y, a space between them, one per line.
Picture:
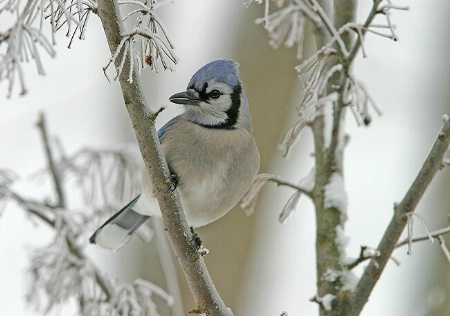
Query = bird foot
x=198 y=242
x=173 y=183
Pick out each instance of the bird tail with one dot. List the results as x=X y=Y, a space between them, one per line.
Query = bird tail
x=119 y=229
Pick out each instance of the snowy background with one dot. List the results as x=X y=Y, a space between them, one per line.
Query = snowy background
x=259 y=266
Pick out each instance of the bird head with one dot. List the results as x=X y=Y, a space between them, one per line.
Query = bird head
x=214 y=97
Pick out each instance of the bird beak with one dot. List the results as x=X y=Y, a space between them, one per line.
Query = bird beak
x=185 y=97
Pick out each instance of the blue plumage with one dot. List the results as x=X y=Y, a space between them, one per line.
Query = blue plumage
x=224 y=71
x=163 y=130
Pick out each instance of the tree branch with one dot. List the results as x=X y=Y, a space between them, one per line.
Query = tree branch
x=180 y=236
x=354 y=50
x=56 y=175
x=329 y=144
x=318 y=8
x=35 y=208
x=398 y=222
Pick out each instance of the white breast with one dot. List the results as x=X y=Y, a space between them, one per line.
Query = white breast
x=215 y=168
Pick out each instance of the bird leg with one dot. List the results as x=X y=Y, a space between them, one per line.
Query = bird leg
x=196 y=238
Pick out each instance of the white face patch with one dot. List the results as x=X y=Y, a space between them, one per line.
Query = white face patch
x=222 y=87
x=212 y=111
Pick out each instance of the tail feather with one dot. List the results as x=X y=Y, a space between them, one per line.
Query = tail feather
x=119 y=229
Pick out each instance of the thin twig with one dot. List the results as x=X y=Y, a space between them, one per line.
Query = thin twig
x=279 y=181
x=330 y=27
x=433 y=234
x=364 y=254
x=354 y=50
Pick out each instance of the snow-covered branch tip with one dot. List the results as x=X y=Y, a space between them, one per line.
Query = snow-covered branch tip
x=410 y=227
x=287 y=24
x=305 y=186
x=429 y=235
x=369 y=26
x=137 y=299
x=365 y=254
x=62 y=271
x=358 y=99
x=26 y=39
x=147 y=45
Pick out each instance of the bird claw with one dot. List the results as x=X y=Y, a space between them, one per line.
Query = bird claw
x=173 y=183
x=196 y=238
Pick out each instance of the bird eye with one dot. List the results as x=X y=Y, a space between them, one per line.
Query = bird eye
x=215 y=94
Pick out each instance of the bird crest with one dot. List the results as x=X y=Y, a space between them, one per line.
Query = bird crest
x=225 y=71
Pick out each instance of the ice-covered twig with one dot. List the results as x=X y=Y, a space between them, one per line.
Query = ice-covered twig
x=154 y=4
x=25 y=40
x=335 y=35
x=148 y=44
x=429 y=235
x=410 y=225
x=249 y=200
x=367 y=26
x=287 y=24
x=48 y=215
x=358 y=99
x=153 y=49
x=364 y=254
x=136 y=299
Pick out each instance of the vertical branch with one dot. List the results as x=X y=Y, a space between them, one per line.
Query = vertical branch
x=330 y=218
x=398 y=222
x=327 y=253
x=56 y=175
x=205 y=294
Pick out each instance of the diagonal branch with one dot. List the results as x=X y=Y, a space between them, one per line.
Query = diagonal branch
x=316 y=7
x=398 y=222
x=38 y=210
x=56 y=175
x=205 y=294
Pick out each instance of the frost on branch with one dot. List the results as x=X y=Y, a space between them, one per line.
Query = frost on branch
x=335 y=195
x=106 y=177
x=136 y=299
x=147 y=45
x=287 y=24
x=7 y=178
x=29 y=37
x=410 y=226
x=62 y=271
x=305 y=186
x=55 y=274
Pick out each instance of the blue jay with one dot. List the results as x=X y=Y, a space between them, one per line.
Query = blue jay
x=210 y=151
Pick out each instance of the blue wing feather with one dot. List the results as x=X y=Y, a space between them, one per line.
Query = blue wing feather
x=163 y=130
